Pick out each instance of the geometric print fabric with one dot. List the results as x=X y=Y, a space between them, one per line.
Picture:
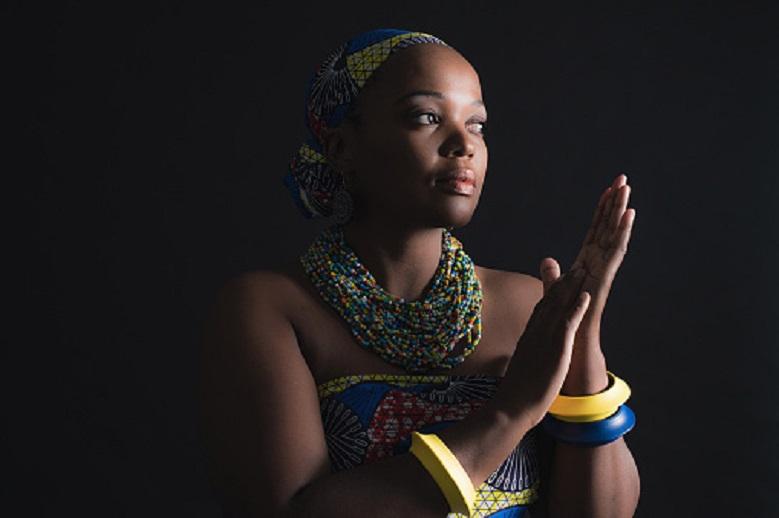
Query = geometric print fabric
x=371 y=416
x=330 y=94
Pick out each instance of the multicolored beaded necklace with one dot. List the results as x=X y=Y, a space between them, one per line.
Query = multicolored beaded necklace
x=417 y=335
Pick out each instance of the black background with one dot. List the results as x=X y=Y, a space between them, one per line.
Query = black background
x=155 y=140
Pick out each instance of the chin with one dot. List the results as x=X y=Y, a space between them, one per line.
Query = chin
x=459 y=222
x=453 y=216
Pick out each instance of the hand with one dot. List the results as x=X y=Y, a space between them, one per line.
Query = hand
x=540 y=364
x=601 y=255
x=602 y=252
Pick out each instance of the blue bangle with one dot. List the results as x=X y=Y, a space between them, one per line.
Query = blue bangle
x=593 y=433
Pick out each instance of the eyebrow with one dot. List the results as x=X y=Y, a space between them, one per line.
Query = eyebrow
x=431 y=93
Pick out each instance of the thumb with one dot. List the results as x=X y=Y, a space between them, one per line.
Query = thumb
x=550 y=272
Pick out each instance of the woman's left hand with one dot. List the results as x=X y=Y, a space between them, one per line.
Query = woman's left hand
x=603 y=249
x=600 y=257
x=601 y=254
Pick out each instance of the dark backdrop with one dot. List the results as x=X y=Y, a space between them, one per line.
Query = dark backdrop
x=155 y=143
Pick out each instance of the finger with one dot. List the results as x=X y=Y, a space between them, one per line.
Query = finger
x=609 y=235
x=577 y=312
x=620 y=247
x=597 y=216
x=564 y=291
x=556 y=305
x=601 y=230
x=550 y=272
x=599 y=226
x=625 y=229
x=575 y=278
x=573 y=320
x=619 y=209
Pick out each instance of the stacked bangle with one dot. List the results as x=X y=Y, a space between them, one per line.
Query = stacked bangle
x=591 y=420
x=446 y=470
x=592 y=433
x=585 y=409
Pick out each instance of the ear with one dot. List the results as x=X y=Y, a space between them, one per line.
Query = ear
x=337 y=148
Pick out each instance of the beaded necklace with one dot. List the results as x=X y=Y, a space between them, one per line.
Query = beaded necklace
x=416 y=335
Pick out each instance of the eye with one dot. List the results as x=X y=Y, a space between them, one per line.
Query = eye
x=481 y=126
x=427 y=118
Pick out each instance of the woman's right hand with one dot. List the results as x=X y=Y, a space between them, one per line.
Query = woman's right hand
x=540 y=362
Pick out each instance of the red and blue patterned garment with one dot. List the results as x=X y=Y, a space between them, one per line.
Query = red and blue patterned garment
x=369 y=417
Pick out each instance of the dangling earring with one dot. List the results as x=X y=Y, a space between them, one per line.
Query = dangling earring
x=343 y=204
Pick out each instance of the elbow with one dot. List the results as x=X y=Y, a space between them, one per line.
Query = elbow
x=299 y=505
x=259 y=510
x=260 y=504
x=636 y=486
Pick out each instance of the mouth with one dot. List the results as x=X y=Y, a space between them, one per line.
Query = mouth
x=457 y=181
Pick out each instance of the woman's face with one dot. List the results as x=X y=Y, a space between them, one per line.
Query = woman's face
x=418 y=155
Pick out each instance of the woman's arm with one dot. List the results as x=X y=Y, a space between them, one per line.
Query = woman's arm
x=597 y=481
x=591 y=482
x=263 y=428
x=600 y=481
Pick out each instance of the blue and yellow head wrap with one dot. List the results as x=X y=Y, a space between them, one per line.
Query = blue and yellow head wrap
x=330 y=94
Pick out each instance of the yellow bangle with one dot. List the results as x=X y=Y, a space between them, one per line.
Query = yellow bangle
x=446 y=470
x=585 y=409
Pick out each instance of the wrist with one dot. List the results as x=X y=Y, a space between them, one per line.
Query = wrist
x=588 y=334
x=508 y=412
x=586 y=374
x=482 y=440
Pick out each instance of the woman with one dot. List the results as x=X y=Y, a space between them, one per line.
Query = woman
x=317 y=376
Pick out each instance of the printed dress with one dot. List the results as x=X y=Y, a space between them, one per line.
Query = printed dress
x=369 y=417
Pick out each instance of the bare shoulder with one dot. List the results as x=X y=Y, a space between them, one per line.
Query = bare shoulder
x=250 y=317
x=259 y=405
x=515 y=287
x=266 y=287
x=254 y=296
x=511 y=295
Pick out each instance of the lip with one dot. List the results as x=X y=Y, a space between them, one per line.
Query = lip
x=458 y=181
x=460 y=174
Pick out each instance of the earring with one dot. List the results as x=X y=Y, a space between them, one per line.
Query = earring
x=343 y=204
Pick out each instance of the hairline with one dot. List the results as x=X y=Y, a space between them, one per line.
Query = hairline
x=353 y=115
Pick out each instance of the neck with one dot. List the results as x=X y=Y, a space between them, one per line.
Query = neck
x=403 y=261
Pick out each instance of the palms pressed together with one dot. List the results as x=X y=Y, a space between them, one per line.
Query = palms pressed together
x=601 y=254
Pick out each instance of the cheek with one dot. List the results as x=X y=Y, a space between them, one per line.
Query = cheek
x=394 y=157
x=418 y=153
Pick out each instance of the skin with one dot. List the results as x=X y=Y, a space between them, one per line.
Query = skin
x=271 y=339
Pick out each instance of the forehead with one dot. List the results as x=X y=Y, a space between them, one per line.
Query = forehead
x=429 y=67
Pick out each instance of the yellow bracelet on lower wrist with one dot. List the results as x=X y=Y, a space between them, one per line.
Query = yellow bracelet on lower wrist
x=446 y=470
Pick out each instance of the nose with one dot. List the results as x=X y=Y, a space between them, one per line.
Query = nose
x=458 y=144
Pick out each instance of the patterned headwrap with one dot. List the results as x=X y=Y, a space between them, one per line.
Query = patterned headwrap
x=330 y=94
